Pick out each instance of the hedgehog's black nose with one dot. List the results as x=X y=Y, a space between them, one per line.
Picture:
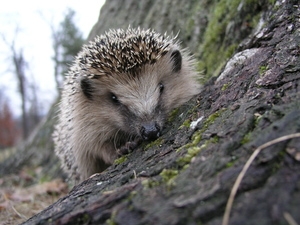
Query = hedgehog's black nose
x=150 y=131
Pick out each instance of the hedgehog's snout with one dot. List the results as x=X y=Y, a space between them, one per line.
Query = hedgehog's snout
x=150 y=131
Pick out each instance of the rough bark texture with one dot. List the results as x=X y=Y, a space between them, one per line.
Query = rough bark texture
x=185 y=177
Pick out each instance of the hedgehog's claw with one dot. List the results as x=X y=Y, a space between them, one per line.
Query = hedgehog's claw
x=128 y=147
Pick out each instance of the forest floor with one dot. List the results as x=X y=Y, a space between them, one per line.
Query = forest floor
x=26 y=193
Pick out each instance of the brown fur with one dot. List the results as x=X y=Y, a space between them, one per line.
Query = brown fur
x=93 y=128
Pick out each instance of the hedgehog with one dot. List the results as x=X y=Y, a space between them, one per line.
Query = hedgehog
x=117 y=94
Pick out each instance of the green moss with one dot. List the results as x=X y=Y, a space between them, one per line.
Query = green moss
x=187 y=158
x=218 y=44
x=262 y=69
x=111 y=220
x=168 y=176
x=192 y=112
x=212 y=48
x=211 y=119
x=185 y=166
x=272 y=2
x=148 y=183
x=246 y=138
x=192 y=148
x=214 y=140
x=224 y=87
x=157 y=142
x=173 y=114
x=186 y=123
x=254 y=20
x=230 y=50
x=120 y=160
x=193 y=151
x=229 y=164
x=197 y=136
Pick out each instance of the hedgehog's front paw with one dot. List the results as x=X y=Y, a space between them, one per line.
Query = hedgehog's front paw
x=128 y=147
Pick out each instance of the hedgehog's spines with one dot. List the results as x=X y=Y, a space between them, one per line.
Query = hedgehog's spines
x=121 y=51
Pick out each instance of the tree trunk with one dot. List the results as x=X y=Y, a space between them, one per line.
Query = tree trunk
x=186 y=176
x=20 y=65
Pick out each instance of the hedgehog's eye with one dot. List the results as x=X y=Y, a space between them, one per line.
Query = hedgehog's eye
x=161 y=87
x=114 y=98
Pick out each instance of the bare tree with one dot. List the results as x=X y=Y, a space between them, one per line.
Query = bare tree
x=20 y=66
x=19 y=69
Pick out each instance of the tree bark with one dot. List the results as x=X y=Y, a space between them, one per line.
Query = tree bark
x=186 y=176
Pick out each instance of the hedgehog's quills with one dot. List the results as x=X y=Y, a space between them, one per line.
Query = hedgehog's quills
x=117 y=93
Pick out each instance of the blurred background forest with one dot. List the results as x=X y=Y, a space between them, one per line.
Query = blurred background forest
x=23 y=101
x=38 y=43
x=67 y=40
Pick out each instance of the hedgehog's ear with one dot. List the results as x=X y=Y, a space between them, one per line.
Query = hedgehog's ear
x=87 y=87
x=177 y=60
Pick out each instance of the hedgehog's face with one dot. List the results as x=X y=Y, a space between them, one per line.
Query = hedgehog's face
x=138 y=103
